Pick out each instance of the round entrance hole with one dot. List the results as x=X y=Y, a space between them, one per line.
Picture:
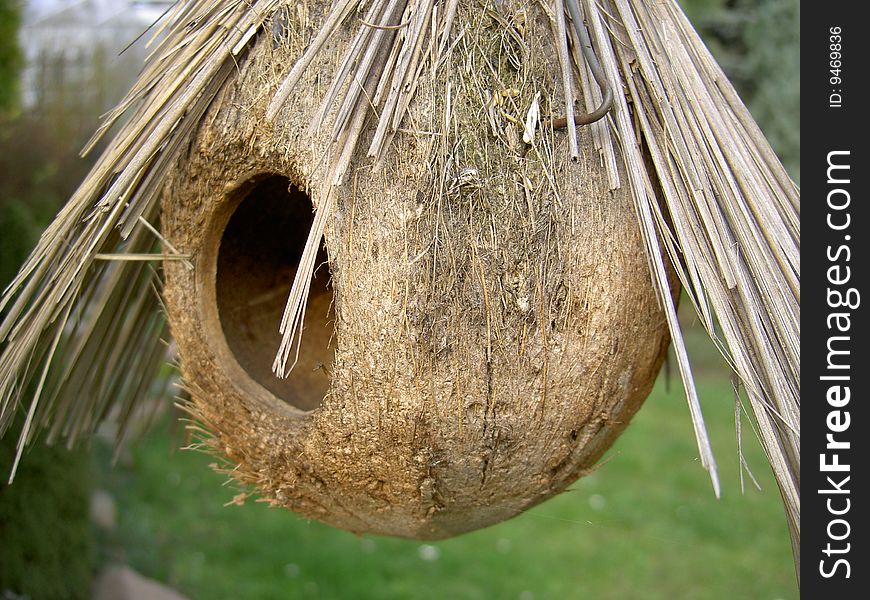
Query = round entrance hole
x=257 y=260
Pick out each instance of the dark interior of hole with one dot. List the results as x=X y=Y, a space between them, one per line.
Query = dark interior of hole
x=259 y=253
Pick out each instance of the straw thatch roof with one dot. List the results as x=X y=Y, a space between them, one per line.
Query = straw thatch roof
x=83 y=327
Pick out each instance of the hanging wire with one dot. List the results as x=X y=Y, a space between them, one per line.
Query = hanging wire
x=588 y=54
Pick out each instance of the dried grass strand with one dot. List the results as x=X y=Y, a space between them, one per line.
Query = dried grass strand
x=81 y=333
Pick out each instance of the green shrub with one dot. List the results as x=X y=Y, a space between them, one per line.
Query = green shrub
x=46 y=542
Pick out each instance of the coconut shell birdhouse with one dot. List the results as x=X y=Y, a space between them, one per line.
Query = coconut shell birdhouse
x=416 y=257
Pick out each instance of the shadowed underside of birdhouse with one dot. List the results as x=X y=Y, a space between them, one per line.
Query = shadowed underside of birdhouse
x=481 y=323
x=420 y=258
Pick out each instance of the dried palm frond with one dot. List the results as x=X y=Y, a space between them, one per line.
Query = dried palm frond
x=82 y=333
x=732 y=211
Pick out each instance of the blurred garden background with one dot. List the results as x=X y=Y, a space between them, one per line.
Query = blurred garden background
x=645 y=525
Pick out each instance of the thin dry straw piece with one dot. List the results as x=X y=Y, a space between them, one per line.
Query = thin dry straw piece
x=81 y=333
x=341 y=78
x=733 y=214
x=335 y=18
x=369 y=54
x=644 y=201
x=402 y=80
x=601 y=130
x=567 y=77
x=368 y=69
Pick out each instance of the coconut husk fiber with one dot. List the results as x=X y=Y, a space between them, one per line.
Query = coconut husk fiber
x=420 y=259
x=480 y=328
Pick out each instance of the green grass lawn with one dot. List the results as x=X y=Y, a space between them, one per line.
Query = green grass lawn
x=646 y=525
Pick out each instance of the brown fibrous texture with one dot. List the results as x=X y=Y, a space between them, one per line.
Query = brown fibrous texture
x=483 y=324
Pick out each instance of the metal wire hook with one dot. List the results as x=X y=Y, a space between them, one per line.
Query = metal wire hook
x=594 y=66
